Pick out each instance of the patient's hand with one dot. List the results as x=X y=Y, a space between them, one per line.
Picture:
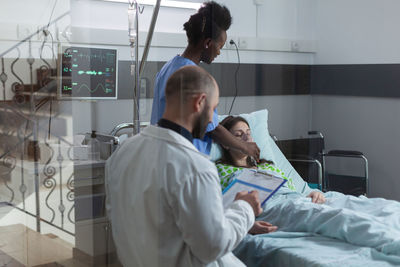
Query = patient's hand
x=261 y=227
x=317 y=197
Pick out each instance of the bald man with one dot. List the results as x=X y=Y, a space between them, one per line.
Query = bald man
x=165 y=200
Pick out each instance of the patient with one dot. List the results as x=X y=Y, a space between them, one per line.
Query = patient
x=369 y=222
x=234 y=160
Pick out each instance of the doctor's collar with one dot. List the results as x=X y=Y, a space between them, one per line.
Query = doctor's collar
x=164 y=123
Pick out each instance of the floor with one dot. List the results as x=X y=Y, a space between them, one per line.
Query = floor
x=21 y=246
x=20 y=243
x=11 y=216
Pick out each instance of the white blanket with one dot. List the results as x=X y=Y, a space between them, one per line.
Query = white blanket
x=359 y=221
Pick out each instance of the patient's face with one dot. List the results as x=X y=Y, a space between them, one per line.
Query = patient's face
x=242 y=131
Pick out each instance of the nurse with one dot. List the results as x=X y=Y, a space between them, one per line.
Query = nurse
x=206 y=33
x=164 y=195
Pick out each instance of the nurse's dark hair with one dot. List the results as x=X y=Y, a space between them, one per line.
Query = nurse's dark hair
x=228 y=123
x=189 y=80
x=209 y=21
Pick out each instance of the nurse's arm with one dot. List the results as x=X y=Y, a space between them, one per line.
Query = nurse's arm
x=223 y=137
x=209 y=231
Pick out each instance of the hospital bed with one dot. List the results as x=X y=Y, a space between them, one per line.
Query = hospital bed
x=304 y=248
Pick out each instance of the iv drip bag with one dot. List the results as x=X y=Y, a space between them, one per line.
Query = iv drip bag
x=132 y=23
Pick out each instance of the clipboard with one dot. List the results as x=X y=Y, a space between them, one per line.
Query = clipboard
x=249 y=180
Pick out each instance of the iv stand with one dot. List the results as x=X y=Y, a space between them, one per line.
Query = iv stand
x=136 y=122
x=139 y=70
x=136 y=90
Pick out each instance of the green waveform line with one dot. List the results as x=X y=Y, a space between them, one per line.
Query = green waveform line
x=90 y=72
x=106 y=90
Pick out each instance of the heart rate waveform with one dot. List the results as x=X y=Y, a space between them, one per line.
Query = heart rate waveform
x=88 y=73
x=106 y=90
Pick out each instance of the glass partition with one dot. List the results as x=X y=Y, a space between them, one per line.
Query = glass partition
x=68 y=99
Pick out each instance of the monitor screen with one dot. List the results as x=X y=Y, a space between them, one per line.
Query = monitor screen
x=88 y=73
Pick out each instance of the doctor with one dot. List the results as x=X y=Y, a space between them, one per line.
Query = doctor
x=206 y=34
x=165 y=200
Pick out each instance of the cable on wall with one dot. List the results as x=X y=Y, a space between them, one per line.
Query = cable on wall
x=231 y=42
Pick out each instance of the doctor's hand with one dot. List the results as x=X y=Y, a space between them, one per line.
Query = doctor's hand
x=251 y=149
x=317 y=197
x=252 y=198
x=261 y=227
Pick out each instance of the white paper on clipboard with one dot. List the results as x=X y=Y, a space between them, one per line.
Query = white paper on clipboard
x=249 y=180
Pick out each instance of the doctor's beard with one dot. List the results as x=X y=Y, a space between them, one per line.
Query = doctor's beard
x=201 y=123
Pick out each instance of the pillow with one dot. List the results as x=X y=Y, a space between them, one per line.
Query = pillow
x=258 y=122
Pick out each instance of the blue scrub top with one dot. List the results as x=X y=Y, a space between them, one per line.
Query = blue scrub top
x=158 y=108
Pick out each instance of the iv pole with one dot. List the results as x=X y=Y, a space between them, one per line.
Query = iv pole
x=133 y=33
x=133 y=12
x=136 y=118
x=134 y=43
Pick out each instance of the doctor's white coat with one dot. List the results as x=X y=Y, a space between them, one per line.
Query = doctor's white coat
x=165 y=204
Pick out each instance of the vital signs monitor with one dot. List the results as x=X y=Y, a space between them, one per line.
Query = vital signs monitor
x=88 y=73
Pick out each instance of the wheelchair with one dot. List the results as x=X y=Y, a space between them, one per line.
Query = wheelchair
x=309 y=158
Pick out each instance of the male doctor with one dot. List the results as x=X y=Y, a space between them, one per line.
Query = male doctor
x=164 y=195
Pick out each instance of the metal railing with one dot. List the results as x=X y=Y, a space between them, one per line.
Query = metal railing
x=25 y=122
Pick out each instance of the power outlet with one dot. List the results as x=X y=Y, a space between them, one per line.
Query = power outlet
x=294 y=46
x=242 y=43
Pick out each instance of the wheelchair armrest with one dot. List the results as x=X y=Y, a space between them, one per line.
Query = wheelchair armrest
x=316 y=133
x=346 y=154
x=339 y=153
x=351 y=154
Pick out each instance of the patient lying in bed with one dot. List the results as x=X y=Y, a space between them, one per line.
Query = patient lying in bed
x=356 y=220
